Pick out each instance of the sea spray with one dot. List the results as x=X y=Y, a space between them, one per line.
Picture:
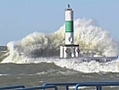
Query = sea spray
x=89 y=36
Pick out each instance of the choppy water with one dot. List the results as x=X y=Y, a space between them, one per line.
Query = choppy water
x=37 y=74
x=47 y=70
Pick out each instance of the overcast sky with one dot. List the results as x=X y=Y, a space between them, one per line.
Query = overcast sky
x=19 y=18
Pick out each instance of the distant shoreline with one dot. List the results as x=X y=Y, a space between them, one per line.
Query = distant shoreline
x=3 y=48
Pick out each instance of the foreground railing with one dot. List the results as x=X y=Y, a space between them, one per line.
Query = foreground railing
x=12 y=87
x=98 y=85
x=65 y=86
x=39 y=87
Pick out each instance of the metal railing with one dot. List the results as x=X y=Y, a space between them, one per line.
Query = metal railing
x=40 y=87
x=98 y=85
x=66 y=86
x=12 y=87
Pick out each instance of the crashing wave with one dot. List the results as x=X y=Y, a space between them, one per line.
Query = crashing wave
x=87 y=34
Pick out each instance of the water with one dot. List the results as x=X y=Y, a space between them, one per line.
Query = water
x=37 y=74
x=52 y=69
x=34 y=60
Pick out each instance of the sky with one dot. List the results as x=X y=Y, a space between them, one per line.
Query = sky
x=18 y=18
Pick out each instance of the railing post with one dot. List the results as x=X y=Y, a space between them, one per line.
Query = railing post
x=76 y=87
x=98 y=88
x=67 y=87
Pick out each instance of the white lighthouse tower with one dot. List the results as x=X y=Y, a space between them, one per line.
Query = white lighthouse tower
x=69 y=50
x=69 y=37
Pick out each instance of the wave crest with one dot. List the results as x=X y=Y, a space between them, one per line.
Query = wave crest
x=90 y=37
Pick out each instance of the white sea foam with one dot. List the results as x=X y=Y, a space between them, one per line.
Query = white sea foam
x=89 y=67
x=85 y=67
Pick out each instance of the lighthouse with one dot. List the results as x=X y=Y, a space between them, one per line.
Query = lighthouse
x=69 y=37
x=69 y=50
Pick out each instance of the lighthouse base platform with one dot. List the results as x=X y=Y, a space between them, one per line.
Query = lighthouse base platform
x=69 y=51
